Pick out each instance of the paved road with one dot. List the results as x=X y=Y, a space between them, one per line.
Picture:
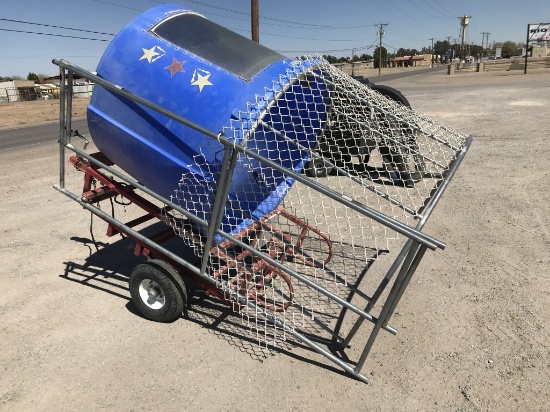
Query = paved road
x=399 y=75
x=15 y=137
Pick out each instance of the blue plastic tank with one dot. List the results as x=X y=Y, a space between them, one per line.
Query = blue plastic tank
x=220 y=80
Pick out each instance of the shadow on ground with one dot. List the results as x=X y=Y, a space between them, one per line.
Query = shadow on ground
x=108 y=268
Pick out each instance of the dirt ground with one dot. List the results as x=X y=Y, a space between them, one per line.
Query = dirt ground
x=37 y=111
x=473 y=325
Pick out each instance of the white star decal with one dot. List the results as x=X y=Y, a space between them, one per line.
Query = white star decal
x=200 y=79
x=151 y=54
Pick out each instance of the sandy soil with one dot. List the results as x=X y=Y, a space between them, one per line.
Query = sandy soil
x=473 y=325
x=37 y=111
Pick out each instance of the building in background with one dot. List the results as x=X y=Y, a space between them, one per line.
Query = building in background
x=18 y=90
x=409 y=61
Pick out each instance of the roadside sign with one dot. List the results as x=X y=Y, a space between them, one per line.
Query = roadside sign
x=538 y=32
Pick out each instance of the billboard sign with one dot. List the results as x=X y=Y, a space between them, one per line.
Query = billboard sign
x=538 y=32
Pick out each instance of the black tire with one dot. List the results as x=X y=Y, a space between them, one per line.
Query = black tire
x=317 y=168
x=158 y=291
x=391 y=93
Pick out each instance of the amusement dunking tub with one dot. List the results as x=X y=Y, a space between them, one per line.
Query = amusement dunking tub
x=216 y=130
x=194 y=68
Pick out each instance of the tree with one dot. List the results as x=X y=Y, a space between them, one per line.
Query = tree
x=33 y=77
x=365 y=57
x=401 y=52
x=330 y=59
x=10 y=78
x=475 y=50
x=509 y=48
x=440 y=50
x=377 y=57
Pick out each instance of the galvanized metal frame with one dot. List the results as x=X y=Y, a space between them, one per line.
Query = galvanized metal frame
x=405 y=263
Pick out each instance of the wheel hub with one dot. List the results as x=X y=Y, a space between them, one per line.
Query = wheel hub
x=151 y=294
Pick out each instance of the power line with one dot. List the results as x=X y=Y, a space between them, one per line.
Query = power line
x=39 y=57
x=444 y=8
x=300 y=24
x=403 y=34
x=51 y=34
x=446 y=16
x=409 y=17
x=420 y=8
x=327 y=51
x=311 y=26
x=293 y=37
x=306 y=38
x=111 y=34
x=296 y=24
x=57 y=27
x=389 y=46
x=117 y=5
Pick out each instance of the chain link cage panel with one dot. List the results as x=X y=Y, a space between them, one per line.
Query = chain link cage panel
x=368 y=148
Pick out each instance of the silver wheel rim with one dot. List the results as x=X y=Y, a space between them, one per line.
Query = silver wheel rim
x=151 y=294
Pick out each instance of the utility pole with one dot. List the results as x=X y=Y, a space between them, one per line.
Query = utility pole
x=484 y=45
x=352 y=65
x=464 y=21
x=255 y=20
x=432 y=50
x=454 y=48
x=380 y=33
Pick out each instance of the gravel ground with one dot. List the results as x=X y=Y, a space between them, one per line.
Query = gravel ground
x=473 y=324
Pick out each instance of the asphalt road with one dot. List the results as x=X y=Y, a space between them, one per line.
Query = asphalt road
x=15 y=137
x=399 y=75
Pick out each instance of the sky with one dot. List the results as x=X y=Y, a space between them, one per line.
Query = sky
x=33 y=32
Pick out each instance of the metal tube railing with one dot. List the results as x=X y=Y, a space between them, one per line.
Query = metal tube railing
x=399 y=227
x=408 y=259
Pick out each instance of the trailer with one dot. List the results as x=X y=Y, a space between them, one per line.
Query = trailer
x=320 y=259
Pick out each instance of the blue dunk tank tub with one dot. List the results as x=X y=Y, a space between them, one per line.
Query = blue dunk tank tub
x=221 y=81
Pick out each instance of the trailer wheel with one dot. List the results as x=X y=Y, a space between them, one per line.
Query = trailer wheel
x=158 y=291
